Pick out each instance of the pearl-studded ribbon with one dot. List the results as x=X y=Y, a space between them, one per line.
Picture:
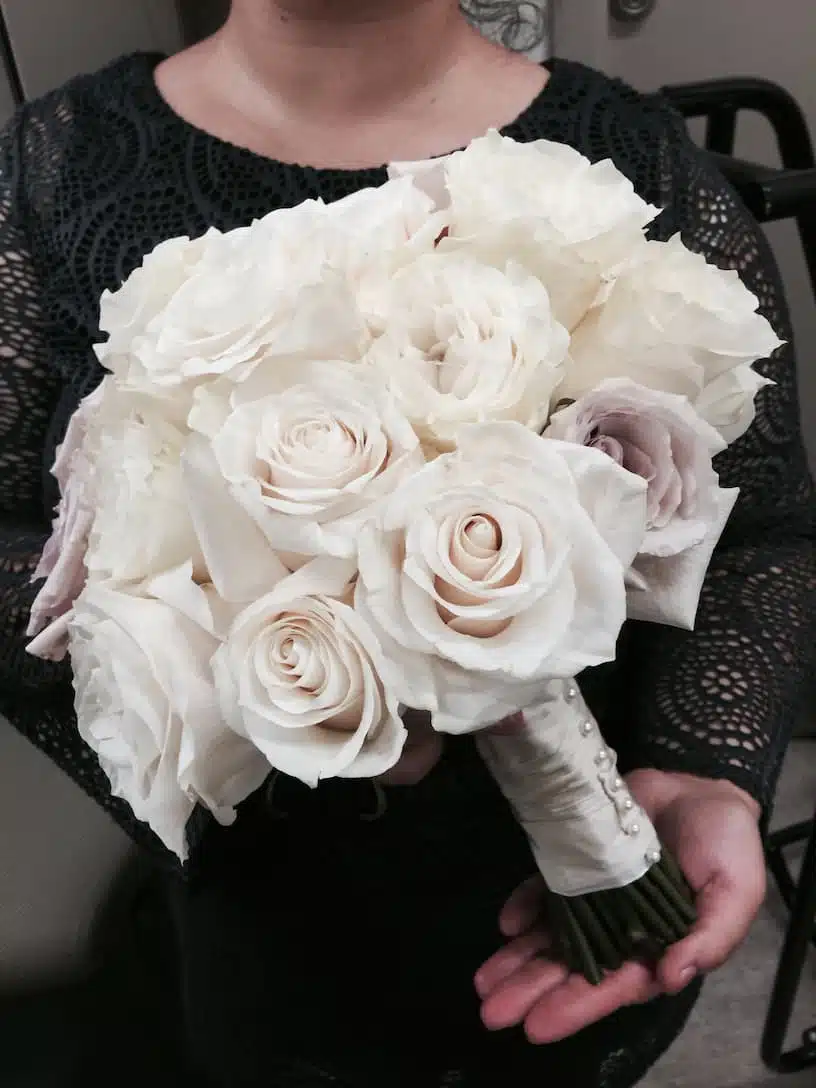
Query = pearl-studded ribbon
x=586 y=831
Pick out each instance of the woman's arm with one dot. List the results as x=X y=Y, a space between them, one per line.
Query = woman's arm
x=721 y=702
x=35 y=696
x=29 y=394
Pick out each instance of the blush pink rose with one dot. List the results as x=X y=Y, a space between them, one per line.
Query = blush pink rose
x=62 y=563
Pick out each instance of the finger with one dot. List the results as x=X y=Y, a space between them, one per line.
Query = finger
x=417 y=722
x=508 y=726
x=523 y=908
x=508 y=960
x=418 y=759
x=574 y=1005
x=513 y=999
x=726 y=909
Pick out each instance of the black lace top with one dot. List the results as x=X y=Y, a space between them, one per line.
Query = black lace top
x=91 y=178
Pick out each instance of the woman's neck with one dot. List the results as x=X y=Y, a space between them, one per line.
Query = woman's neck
x=348 y=83
x=347 y=59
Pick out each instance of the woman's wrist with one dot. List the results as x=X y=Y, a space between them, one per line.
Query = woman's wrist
x=657 y=789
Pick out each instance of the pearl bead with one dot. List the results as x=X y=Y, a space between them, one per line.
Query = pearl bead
x=602 y=757
x=653 y=857
x=586 y=728
x=628 y=804
x=617 y=784
x=571 y=693
x=633 y=829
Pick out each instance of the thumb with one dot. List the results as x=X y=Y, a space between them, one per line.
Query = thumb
x=726 y=909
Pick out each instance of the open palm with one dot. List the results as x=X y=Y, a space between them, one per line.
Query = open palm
x=712 y=830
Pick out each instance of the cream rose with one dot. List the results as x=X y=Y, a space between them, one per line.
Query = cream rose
x=300 y=676
x=670 y=321
x=142 y=524
x=541 y=204
x=256 y=295
x=659 y=437
x=364 y=237
x=497 y=567
x=729 y=402
x=463 y=342
x=146 y=705
x=127 y=313
x=306 y=461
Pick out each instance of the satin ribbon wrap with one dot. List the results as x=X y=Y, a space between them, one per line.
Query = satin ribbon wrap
x=586 y=831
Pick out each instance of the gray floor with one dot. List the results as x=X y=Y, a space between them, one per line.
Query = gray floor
x=720 y=1047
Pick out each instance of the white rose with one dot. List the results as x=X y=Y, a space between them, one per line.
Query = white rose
x=464 y=342
x=307 y=461
x=729 y=402
x=146 y=705
x=300 y=676
x=659 y=437
x=496 y=567
x=246 y=300
x=241 y=562
x=543 y=204
x=126 y=314
x=364 y=237
x=142 y=524
x=670 y=321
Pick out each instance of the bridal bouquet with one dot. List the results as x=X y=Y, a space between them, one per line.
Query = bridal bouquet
x=426 y=447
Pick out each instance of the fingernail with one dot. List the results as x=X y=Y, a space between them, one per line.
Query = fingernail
x=687 y=974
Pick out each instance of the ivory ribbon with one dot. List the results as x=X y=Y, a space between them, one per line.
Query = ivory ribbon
x=586 y=831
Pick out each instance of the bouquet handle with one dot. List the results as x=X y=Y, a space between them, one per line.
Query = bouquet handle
x=614 y=891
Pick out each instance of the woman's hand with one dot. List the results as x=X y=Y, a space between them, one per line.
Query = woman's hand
x=711 y=827
x=424 y=747
x=422 y=751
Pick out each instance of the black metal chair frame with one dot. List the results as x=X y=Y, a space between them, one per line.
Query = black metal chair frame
x=772 y=194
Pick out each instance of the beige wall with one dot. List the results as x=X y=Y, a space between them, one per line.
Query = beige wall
x=53 y=40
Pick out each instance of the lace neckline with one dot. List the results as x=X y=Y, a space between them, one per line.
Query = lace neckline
x=352 y=176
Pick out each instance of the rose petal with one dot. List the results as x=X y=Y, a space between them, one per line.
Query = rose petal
x=300 y=675
x=146 y=705
x=241 y=563
x=557 y=609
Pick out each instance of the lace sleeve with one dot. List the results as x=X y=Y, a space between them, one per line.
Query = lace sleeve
x=29 y=392
x=36 y=697
x=721 y=702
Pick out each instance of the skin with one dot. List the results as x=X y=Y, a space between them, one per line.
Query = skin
x=359 y=83
x=348 y=83
x=712 y=830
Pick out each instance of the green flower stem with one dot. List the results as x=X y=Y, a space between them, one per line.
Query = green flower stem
x=597 y=933
x=655 y=925
x=629 y=930
x=670 y=905
x=588 y=964
x=676 y=876
x=681 y=902
x=606 y=954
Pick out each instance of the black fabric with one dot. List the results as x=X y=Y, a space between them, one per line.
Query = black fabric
x=322 y=948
